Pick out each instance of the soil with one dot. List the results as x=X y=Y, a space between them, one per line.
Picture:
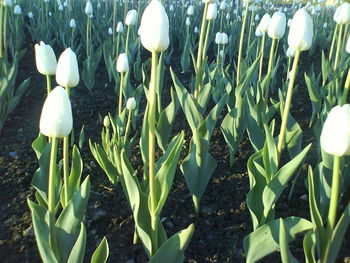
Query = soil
x=219 y=229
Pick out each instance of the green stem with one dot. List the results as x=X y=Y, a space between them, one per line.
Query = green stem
x=269 y=68
x=5 y=29
x=200 y=51
x=1 y=25
x=345 y=36
x=117 y=50
x=333 y=42
x=48 y=84
x=114 y=17
x=287 y=105
x=205 y=48
x=262 y=55
x=338 y=47
x=241 y=44
x=120 y=94
x=250 y=27
x=127 y=41
x=346 y=89
x=151 y=150
x=332 y=214
x=66 y=164
x=127 y=128
x=52 y=194
x=87 y=37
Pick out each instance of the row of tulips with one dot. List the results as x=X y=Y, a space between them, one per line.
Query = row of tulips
x=243 y=82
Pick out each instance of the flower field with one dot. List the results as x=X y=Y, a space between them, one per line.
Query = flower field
x=174 y=131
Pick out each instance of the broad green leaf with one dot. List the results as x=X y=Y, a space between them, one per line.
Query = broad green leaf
x=78 y=251
x=101 y=253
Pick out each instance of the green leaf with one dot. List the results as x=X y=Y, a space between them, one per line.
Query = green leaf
x=39 y=145
x=264 y=240
x=82 y=137
x=309 y=247
x=40 y=218
x=68 y=223
x=101 y=253
x=75 y=172
x=286 y=255
x=172 y=251
x=78 y=251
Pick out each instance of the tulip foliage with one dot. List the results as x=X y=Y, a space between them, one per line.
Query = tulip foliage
x=183 y=73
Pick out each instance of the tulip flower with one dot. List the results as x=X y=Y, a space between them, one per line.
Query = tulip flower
x=110 y=31
x=56 y=117
x=218 y=38
x=72 y=23
x=212 y=12
x=30 y=15
x=154 y=27
x=67 y=74
x=122 y=63
x=301 y=31
x=131 y=18
x=277 y=25
x=88 y=8
x=45 y=59
x=131 y=104
x=17 y=10
x=120 y=28
x=264 y=23
x=106 y=121
x=342 y=14
x=258 y=32
x=224 y=38
x=335 y=136
x=190 y=10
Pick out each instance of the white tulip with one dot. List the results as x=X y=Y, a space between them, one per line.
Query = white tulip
x=277 y=25
x=131 y=18
x=154 y=27
x=258 y=32
x=290 y=52
x=212 y=12
x=88 y=9
x=30 y=15
x=122 y=63
x=342 y=14
x=131 y=104
x=301 y=31
x=218 y=38
x=188 y=21
x=56 y=117
x=120 y=28
x=190 y=10
x=264 y=23
x=224 y=38
x=335 y=136
x=45 y=59
x=72 y=23
x=17 y=10
x=67 y=74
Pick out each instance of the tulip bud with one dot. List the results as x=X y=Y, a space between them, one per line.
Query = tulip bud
x=335 y=136
x=122 y=63
x=17 y=10
x=342 y=14
x=348 y=45
x=30 y=15
x=224 y=38
x=290 y=52
x=212 y=12
x=277 y=25
x=56 y=117
x=264 y=23
x=258 y=32
x=110 y=31
x=45 y=59
x=67 y=73
x=106 y=121
x=190 y=10
x=120 y=28
x=154 y=27
x=325 y=26
x=72 y=23
x=301 y=31
x=218 y=38
x=196 y=30
x=131 y=104
x=131 y=18
x=88 y=8
x=60 y=8
x=171 y=8
x=223 y=5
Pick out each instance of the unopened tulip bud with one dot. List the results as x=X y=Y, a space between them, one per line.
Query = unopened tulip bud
x=277 y=25
x=106 y=121
x=60 y=8
x=120 y=27
x=17 y=10
x=88 y=8
x=223 y=5
x=67 y=74
x=218 y=38
x=155 y=27
x=342 y=14
x=72 y=23
x=190 y=10
x=212 y=12
x=30 y=15
x=258 y=32
x=131 y=18
x=301 y=31
x=131 y=104
x=110 y=31
x=290 y=52
x=188 y=21
x=325 y=26
x=45 y=59
x=196 y=30
x=56 y=117
x=122 y=63
x=335 y=136
x=264 y=23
